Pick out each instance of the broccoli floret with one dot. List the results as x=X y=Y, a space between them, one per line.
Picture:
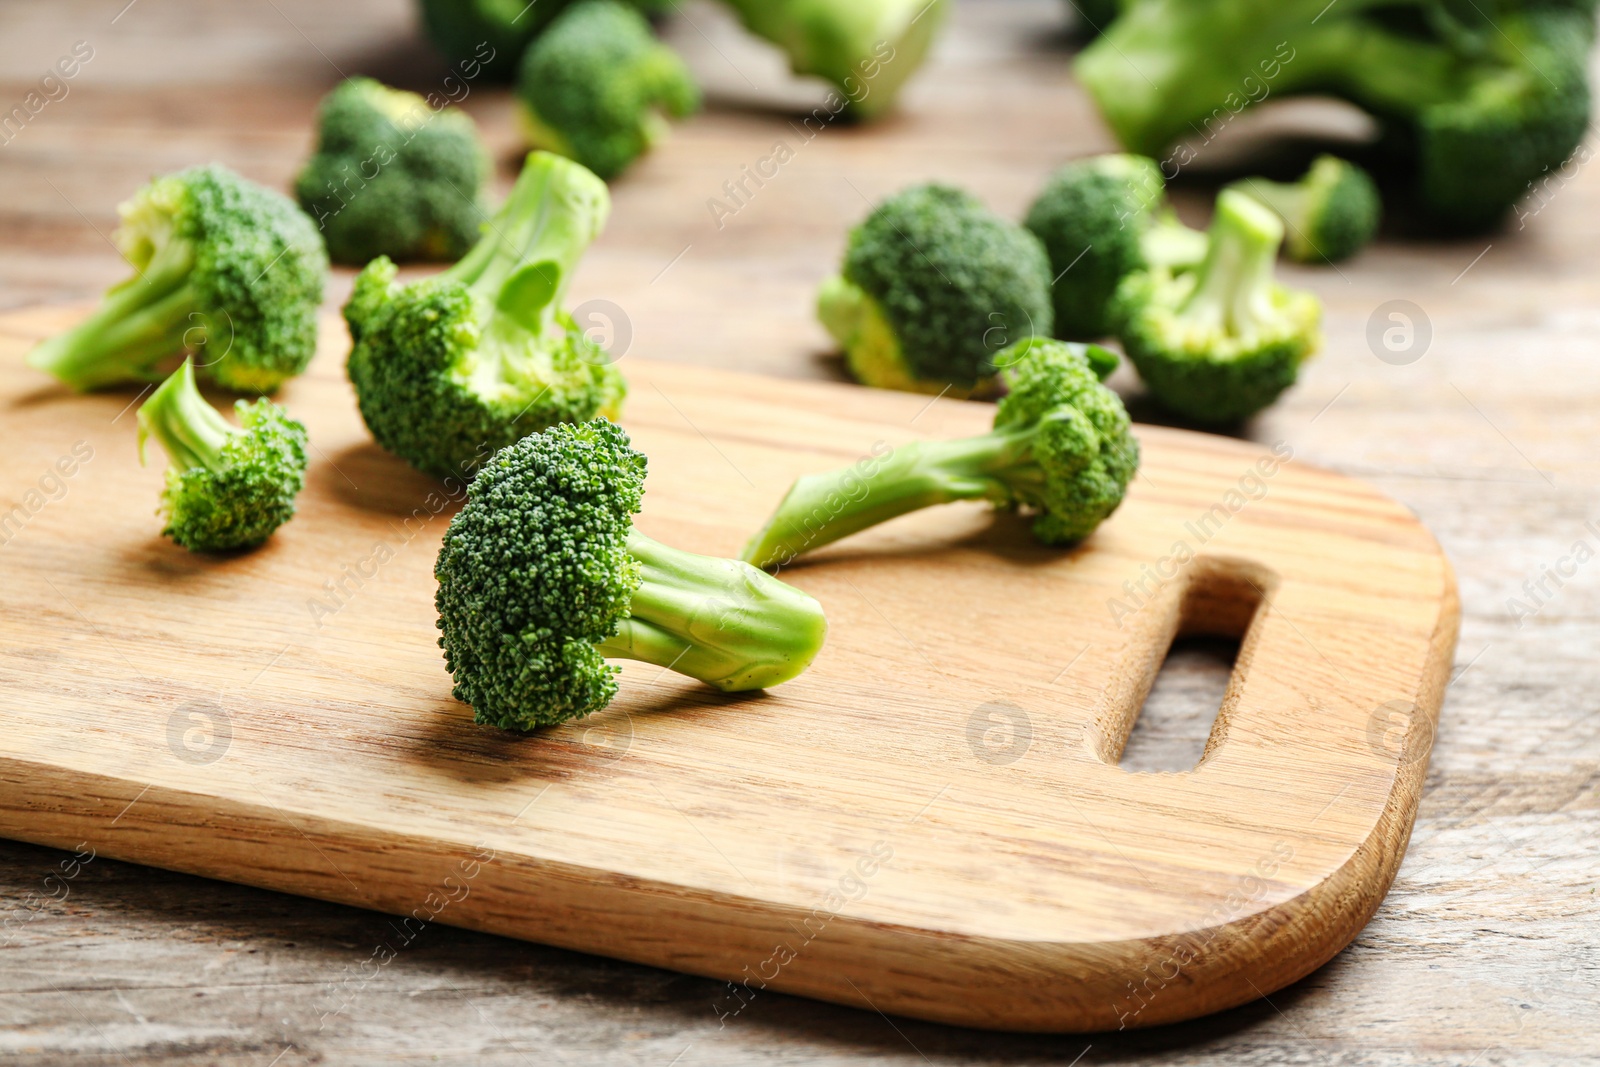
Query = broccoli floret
x=485 y=38
x=225 y=271
x=597 y=87
x=226 y=487
x=1061 y=447
x=1101 y=219
x=1330 y=214
x=933 y=285
x=1220 y=343
x=450 y=368
x=1478 y=98
x=542 y=578
x=868 y=49
x=393 y=177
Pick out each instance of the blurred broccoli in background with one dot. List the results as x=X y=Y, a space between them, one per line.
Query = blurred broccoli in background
x=1094 y=16
x=932 y=286
x=1330 y=214
x=1100 y=219
x=393 y=177
x=866 y=48
x=1220 y=342
x=450 y=368
x=486 y=38
x=598 y=87
x=1476 y=98
x=223 y=269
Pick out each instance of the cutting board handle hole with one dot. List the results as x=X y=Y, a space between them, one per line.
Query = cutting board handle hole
x=1168 y=709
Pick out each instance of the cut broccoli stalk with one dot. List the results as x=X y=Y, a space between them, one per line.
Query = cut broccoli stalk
x=597 y=87
x=226 y=487
x=1223 y=341
x=1330 y=214
x=542 y=577
x=867 y=49
x=453 y=367
x=1061 y=447
x=225 y=270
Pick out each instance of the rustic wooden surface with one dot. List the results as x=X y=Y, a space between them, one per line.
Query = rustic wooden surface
x=1483 y=952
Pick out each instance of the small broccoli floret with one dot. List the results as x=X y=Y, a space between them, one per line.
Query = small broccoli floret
x=393 y=177
x=1061 y=448
x=933 y=285
x=485 y=38
x=225 y=271
x=453 y=367
x=542 y=578
x=597 y=87
x=1476 y=99
x=1101 y=219
x=868 y=49
x=1330 y=214
x=1220 y=343
x=226 y=487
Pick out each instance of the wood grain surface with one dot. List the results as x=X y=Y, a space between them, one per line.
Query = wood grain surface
x=1483 y=952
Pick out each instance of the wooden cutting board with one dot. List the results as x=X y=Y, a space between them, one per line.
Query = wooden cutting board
x=930 y=822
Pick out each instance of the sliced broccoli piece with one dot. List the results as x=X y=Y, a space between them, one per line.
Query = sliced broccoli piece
x=1478 y=98
x=1061 y=447
x=933 y=285
x=393 y=177
x=226 y=487
x=225 y=271
x=1330 y=214
x=867 y=49
x=1100 y=219
x=450 y=368
x=597 y=87
x=542 y=578
x=1221 y=342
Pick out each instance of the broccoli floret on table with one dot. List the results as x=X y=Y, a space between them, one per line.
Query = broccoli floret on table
x=932 y=286
x=486 y=38
x=450 y=368
x=543 y=578
x=227 y=487
x=598 y=87
x=1061 y=448
x=1221 y=342
x=1477 y=99
x=224 y=270
x=393 y=177
x=1329 y=214
x=1100 y=219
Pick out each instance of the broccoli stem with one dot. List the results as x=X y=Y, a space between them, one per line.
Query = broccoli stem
x=1237 y=273
x=189 y=429
x=140 y=322
x=822 y=508
x=718 y=620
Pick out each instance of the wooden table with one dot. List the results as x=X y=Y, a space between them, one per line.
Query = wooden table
x=1484 y=952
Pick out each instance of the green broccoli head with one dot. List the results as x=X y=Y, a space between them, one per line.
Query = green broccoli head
x=226 y=488
x=542 y=578
x=1220 y=343
x=1329 y=215
x=485 y=38
x=867 y=49
x=597 y=86
x=1477 y=99
x=933 y=285
x=451 y=368
x=393 y=177
x=224 y=270
x=1061 y=448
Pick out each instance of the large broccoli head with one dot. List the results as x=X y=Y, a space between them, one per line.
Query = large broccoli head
x=453 y=367
x=393 y=177
x=226 y=488
x=542 y=577
x=933 y=285
x=598 y=87
x=1220 y=343
x=225 y=271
